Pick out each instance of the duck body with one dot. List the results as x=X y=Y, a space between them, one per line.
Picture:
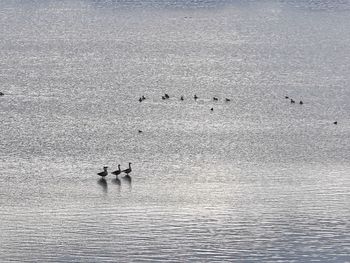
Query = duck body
x=128 y=170
x=117 y=172
x=104 y=173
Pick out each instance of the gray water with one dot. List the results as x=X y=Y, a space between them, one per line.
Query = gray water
x=257 y=180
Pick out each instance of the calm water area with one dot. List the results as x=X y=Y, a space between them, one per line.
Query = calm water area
x=257 y=179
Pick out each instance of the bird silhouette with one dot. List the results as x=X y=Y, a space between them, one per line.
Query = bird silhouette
x=117 y=172
x=104 y=173
x=128 y=170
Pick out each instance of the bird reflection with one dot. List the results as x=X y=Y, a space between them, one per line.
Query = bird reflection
x=127 y=178
x=103 y=183
x=116 y=181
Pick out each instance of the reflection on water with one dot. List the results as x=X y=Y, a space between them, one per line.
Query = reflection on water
x=116 y=181
x=103 y=183
x=127 y=179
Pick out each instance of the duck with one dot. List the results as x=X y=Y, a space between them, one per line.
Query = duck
x=166 y=96
x=163 y=98
x=182 y=98
x=128 y=170
x=104 y=173
x=212 y=109
x=301 y=102
x=140 y=99
x=195 y=97
x=143 y=97
x=286 y=97
x=292 y=101
x=117 y=172
x=215 y=99
x=335 y=122
x=140 y=131
x=227 y=100
x=1 y=93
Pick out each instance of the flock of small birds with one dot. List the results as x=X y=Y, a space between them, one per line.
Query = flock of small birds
x=293 y=101
x=182 y=98
x=195 y=97
x=301 y=103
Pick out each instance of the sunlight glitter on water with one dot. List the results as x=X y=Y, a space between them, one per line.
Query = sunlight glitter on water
x=257 y=179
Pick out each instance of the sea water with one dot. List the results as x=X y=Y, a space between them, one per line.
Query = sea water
x=256 y=179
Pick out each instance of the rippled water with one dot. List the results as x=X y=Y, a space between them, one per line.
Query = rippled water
x=258 y=179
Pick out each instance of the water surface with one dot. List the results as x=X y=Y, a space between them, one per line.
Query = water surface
x=258 y=179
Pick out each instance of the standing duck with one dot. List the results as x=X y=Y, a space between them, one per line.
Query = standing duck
x=117 y=172
x=104 y=173
x=128 y=170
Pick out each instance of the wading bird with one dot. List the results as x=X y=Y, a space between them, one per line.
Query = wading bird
x=104 y=173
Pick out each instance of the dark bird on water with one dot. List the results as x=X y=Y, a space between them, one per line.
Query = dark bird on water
x=292 y=101
x=166 y=96
x=335 y=122
x=128 y=170
x=163 y=98
x=182 y=98
x=212 y=109
x=140 y=131
x=195 y=97
x=301 y=102
x=104 y=173
x=1 y=93
x=140 y=99
x=227 y=100
x=143 y=97
x=117 y=172
x=215 y=98
x=286 y=97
